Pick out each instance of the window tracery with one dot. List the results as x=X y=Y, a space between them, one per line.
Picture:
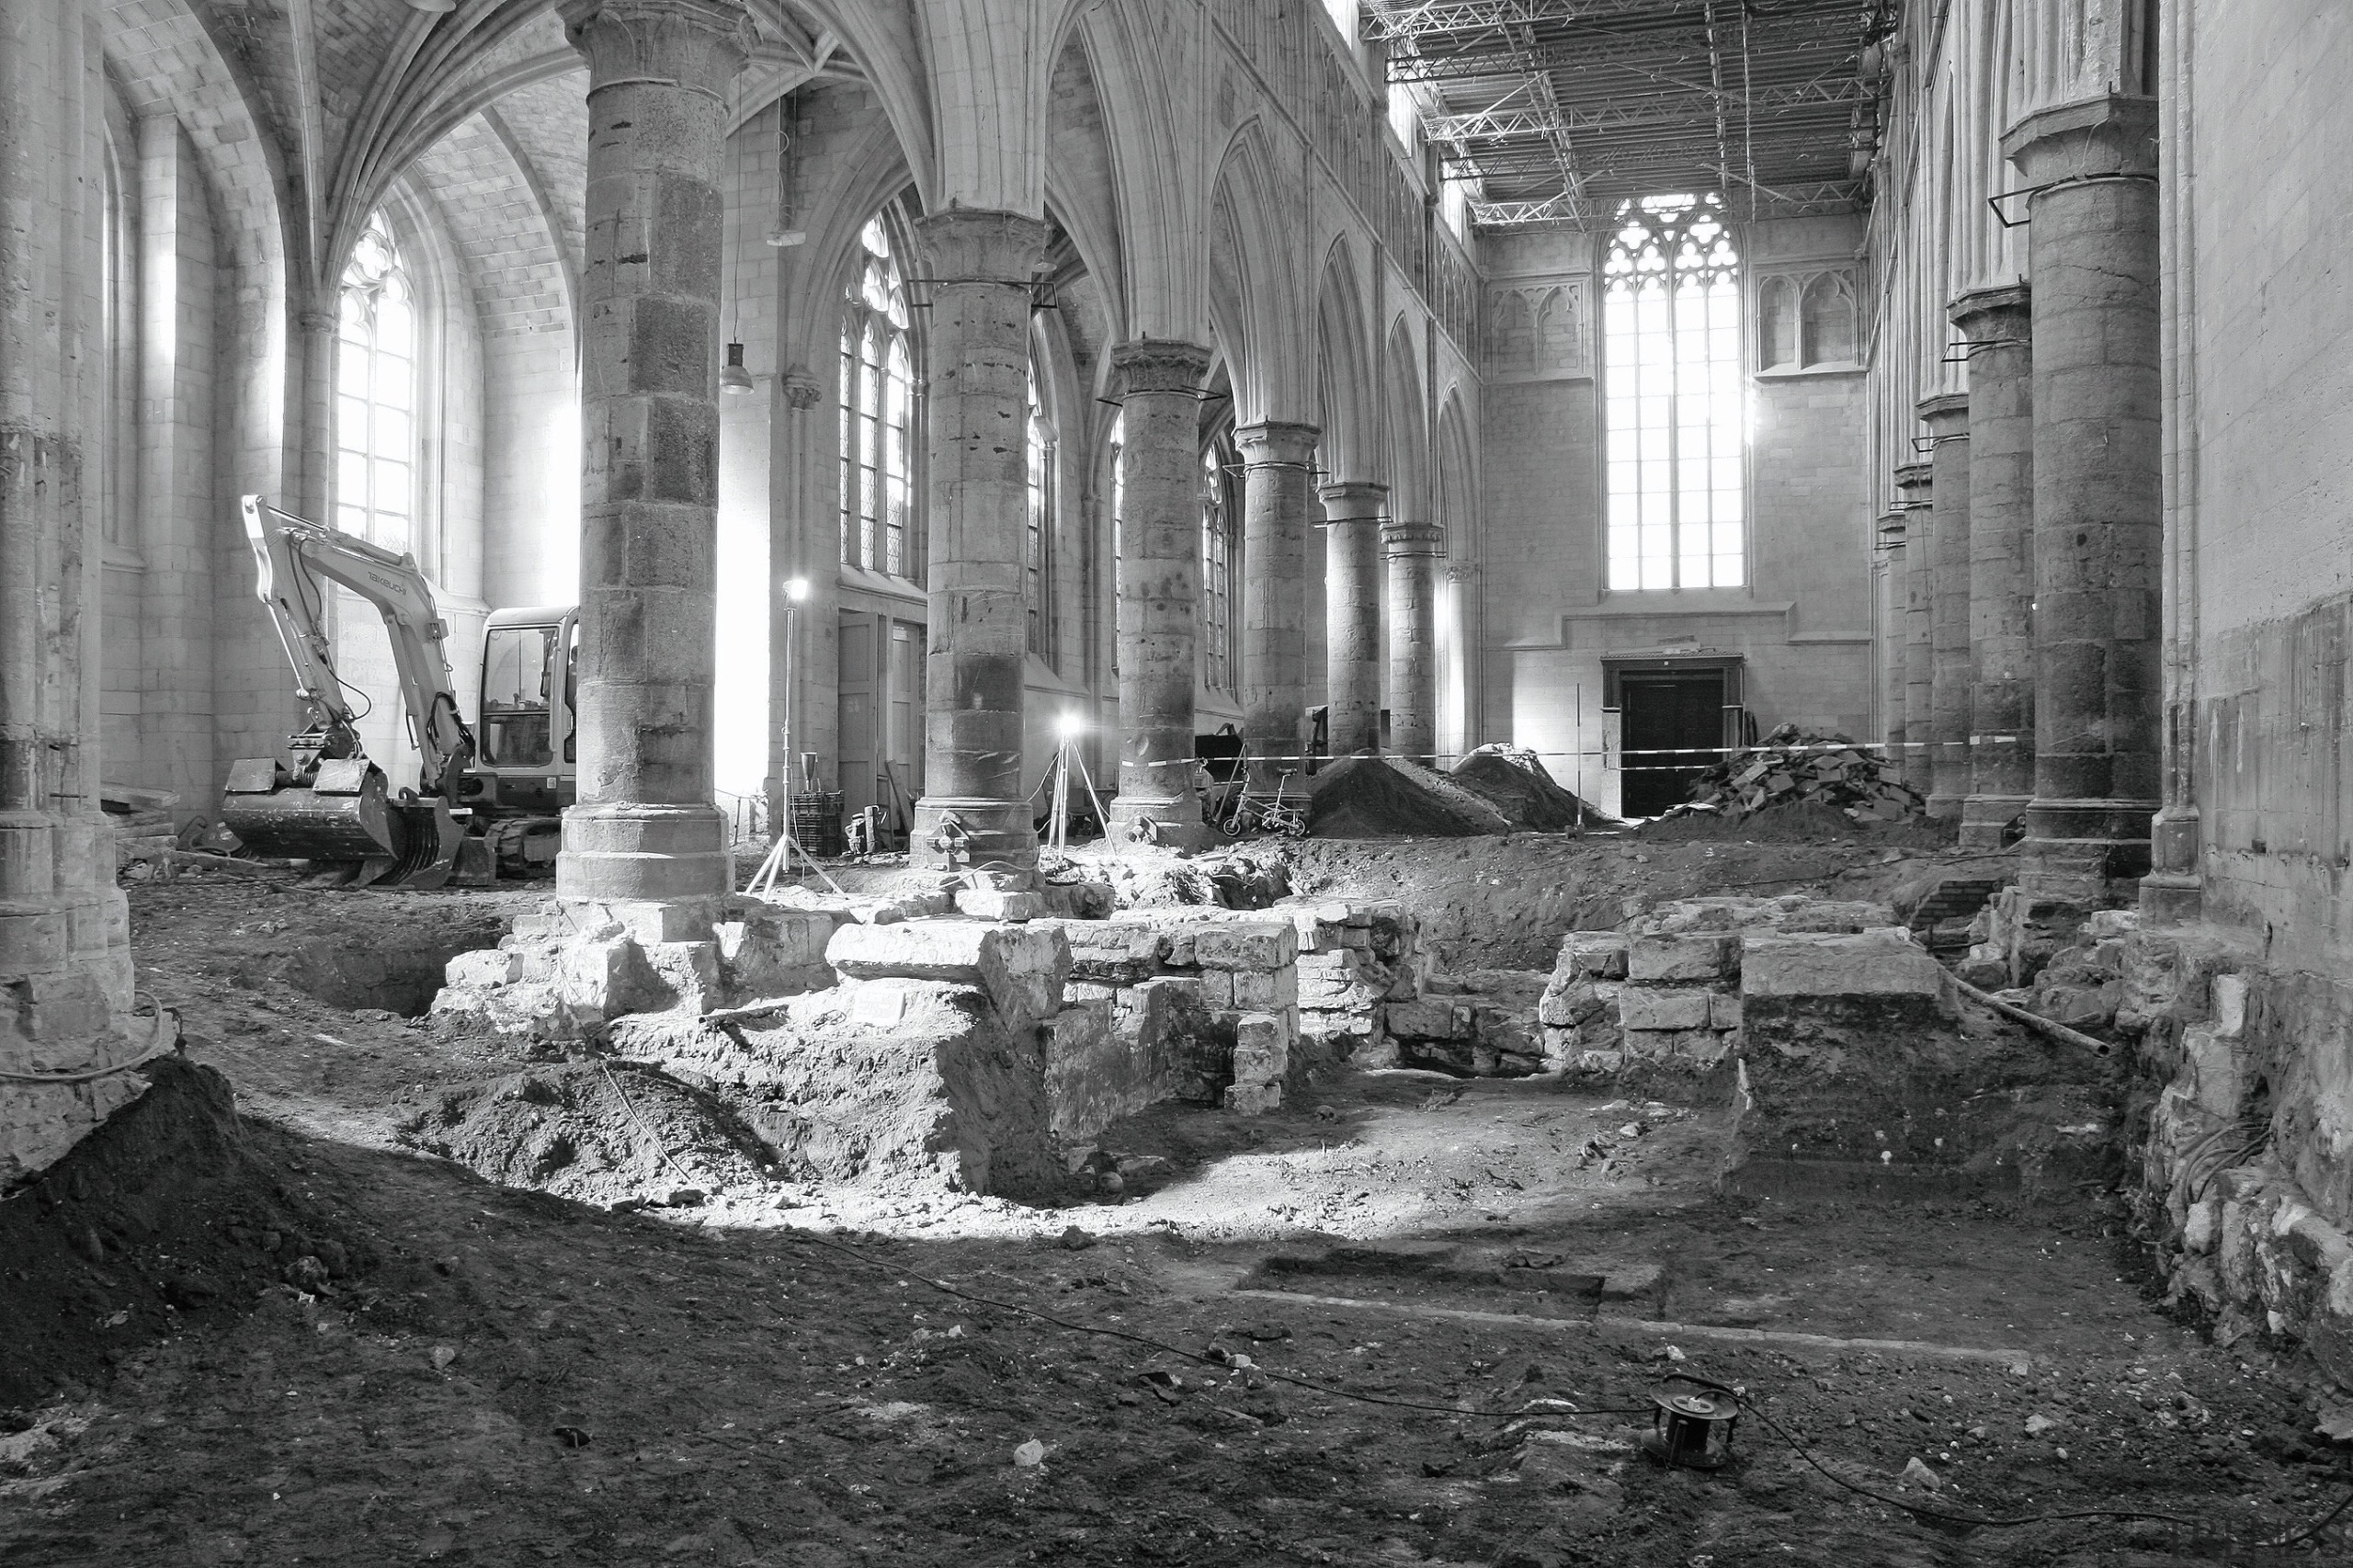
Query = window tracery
x=1676 y=412
x=376 y=393
x=877 y=410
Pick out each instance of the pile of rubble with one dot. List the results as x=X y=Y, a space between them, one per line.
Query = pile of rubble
x=1799 y=768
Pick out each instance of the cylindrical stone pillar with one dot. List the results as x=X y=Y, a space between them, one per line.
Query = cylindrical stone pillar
x=1912 y=485
x=2001 y=562
x=1946 y=418
x=1412 y=550
x=1894 y=634
x=1352 y=613
x=1278 y=459
x=2098 y=504
x=1160 y=588
x=66 y=979
x=646 y=839
x=976 y=807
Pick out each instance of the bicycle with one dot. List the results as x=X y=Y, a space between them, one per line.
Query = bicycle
x=1282 y=817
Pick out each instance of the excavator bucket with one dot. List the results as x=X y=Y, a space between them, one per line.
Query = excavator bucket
x=346 y=817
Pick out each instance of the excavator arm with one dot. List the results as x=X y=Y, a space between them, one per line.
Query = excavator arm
x=292 y=555
x=331 y=803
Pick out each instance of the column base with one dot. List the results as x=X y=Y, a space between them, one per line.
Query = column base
x=1944 y=807
x=1164 y=823
x=661 y=871
x=955 y=833
x=2169 y=899
x=2077 y=849
x=1987 y=821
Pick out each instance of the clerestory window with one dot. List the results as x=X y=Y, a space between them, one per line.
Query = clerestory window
x=1676 y=412
x=375 y=425
x=877 y=410
x=1221 y=557
x=1037 y=451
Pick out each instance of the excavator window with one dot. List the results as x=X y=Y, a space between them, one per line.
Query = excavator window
x=518 y=676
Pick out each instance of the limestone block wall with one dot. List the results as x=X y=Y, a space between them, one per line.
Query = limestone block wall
x=1683 y=982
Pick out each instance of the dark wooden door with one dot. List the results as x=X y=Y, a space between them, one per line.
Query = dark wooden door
x=1670 y=725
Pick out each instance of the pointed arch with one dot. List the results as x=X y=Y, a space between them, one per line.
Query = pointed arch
x=1343 y=376
x=1266 y=373
x=1405 y=417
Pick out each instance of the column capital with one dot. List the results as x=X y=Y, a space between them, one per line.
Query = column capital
x=1354 y=499
x=1890 y=530
x=2001 y=306
x=1160 y=365
x=1914 y=476
x=697 y=45
x=1946 y=414
x=1399 y=539
x=1275 y=441
x=2115 y=133
x=982 y=244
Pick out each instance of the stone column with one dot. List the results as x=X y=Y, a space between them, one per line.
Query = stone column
x=975 y=805
x=1946 y=418
x=1912 y=489
x=2001 y=561
x=1278 y=459
x=1352 y=613
x=65 y=981
x=1895 y=633
x=1412 y=549
x=1160 y=587
x=645 y=840
x=2092 y=250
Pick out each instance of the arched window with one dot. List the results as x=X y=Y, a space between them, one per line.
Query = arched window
x=1219 y=559
x=375 y=425
x=877 y=404
x=1676 y=412
x=1037 y=450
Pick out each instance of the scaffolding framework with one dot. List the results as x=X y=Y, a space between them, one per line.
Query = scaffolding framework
x=1555 y=111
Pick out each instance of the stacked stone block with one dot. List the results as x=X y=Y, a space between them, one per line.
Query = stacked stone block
x=1204 y=1005
x=1358 y=964
x=1682 y=984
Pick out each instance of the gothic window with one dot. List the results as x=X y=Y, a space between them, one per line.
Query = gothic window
x=375 y=423
x=1674 y=413
x=1038 y=448
x=119 y=387
x=877 y=410
x=1221 y=557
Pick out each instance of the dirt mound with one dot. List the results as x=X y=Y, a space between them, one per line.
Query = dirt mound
x=1515 y=782
x=595 y=1131
x=1387 y=796
x=1796 y=823
x=172 y=1207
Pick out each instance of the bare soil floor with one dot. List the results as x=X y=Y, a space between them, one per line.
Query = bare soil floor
x=778 y=1377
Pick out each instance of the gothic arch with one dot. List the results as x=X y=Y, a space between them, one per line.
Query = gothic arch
x=1343 y=369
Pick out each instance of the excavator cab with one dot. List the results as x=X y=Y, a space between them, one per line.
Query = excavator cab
x=528 y=744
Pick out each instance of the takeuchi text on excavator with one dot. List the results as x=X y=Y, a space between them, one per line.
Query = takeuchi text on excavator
x=486 y=799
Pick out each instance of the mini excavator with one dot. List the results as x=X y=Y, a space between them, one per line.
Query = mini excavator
x=481 y=808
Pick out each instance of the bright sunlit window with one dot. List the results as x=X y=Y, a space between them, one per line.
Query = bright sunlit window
x=375 y=428
x=1038 y=449
x=1220 y=557
x=1676 y=410
x=877 y=393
